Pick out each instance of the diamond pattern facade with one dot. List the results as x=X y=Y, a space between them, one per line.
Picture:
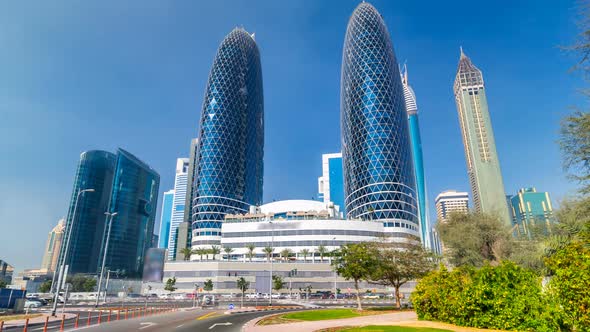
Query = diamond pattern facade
x=229 y=171
x=377 y=157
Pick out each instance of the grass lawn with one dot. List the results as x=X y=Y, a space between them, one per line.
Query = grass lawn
x=375 y=328
x=15 y=317
x=322 y=314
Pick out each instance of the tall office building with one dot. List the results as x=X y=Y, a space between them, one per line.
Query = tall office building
x=532 y=211
x=331 y=183
x=180 y=190
x=122 y=184
x=412 y=110
x=483 y=166
x=192 y=174
x=379 y=176
x=450 y=201
x=96 y=170
x=134 y=197
x=53 y=246
x=231 y=138
x=165 y=217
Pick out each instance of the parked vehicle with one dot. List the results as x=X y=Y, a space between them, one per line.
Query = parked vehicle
x=30 y=303
x=253 y=295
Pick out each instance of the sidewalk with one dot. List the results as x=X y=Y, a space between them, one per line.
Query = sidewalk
x=36 y=320
x=385 y=319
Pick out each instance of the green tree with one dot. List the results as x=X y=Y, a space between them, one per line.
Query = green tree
x=356 y=262
x=45 y=286
x=2 y=284
x=575 y=147
x=277 y=283
x=268 y=251
x=170 y=284
x=186 y=253
x=214 y=251
x=228 y=252
x=322 y=250
x=81 y=283
x=474 y=238
x=285 y=253
x=243 y=287
x=305 y=253
x=396 y=267
x=250 y=254
x=570 y=284
x=208 y=285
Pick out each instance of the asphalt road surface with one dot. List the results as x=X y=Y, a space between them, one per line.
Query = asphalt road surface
x=183 y=321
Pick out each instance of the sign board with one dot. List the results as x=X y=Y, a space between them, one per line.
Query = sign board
x=153 y=266
x=231 y=306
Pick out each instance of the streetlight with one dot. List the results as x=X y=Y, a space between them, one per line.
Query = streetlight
x=65 y=254
x=335 y=275
x=195 y=294
x=104 y=256
x=272 y=244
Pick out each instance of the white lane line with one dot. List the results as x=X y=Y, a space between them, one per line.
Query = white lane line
x=181 y=325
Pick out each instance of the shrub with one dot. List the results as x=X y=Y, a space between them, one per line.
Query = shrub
x=504 y=297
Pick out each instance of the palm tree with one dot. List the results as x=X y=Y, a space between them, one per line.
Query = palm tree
x=322 y=251
x=268 y=251
x=243 y=287
x=250 y=253
x=186 y=252
x=305 y=253
x=228 y=252
x=200 y=252
x=286 y=253
x=214 y=251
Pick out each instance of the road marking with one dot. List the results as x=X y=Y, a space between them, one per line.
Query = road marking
x=222 y=324
x=205 y=316
x=147 y=324
x=181 y=325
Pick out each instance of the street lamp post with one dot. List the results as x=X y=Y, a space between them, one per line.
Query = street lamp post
x=104 y=256
x=272 y=246
x=195 y=294
x=65 y=254
x=335 y=275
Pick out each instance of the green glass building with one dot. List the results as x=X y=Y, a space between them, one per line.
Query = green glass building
x=483 y=166
x=531 y=211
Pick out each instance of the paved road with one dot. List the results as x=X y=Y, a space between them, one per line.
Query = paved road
x=183 y=321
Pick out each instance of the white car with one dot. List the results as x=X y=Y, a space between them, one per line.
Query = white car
x=253 y=296
x=227 y=296
x=32 y=304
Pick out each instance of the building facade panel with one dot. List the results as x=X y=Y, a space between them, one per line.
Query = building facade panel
x=165 y=217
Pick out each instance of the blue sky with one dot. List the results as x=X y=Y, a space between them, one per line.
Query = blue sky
x=80 y=75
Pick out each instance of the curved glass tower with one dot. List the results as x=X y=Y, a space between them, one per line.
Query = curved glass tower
x=412 y=110
x=231 y=142
x=377 y=158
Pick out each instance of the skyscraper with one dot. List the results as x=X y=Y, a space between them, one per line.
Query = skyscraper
x=331 y=183
x=450 y=201
x=134 y=198
x=379 y=176
x=96 y=170
x=231 y=139
x=123 y=184
x=530 y=210
x=165 y=217
x=53 y=246
x=412 y=110
x=180 y=190
x=483 y=166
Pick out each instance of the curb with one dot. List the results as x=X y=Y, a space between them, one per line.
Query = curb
x=267 y=309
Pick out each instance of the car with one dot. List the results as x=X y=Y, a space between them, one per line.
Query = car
x=227 y=296
x=30 y=303
x=371 y=296
x=253 y=295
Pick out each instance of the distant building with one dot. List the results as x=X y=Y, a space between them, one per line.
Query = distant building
x=483 y=165
x=165 y=217
x=191 y=177
x=123 y=184
x=53 y=247
x=331 y=183
x=6 y=271
x=31 y=279
x=180 y=189
x=531 y=209
x=451 y=201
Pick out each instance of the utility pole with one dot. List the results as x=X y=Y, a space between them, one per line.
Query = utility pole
x=104 y=255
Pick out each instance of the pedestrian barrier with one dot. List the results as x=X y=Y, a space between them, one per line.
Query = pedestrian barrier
x=88 y=321
x=77 y=319
x=63 y=321
x=46 y=323
x=26 y=325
